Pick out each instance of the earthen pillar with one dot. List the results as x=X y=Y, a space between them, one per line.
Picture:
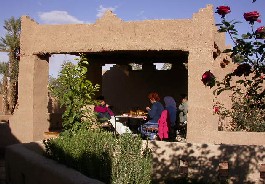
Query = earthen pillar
x=94 y=74
x=30 y=120
x=148 y=67
x=201 y=124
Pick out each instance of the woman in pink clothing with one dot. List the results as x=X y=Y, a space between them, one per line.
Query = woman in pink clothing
x=102 y=110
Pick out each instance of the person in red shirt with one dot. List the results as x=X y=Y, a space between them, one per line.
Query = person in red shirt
x=102 y=110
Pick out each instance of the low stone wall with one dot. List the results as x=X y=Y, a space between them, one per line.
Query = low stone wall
x=171 y=161
x=208 y=162
x=25 y=164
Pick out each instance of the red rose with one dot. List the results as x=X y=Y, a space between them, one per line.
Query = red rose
x=260 y=33
x=208 y=79
x=216 y=109
x=260 y=29
x=252 y=17
x=223 y=10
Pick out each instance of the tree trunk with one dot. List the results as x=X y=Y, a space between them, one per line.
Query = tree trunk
x=5 y=96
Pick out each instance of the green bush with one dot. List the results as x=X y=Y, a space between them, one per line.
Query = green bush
x=98 y=154
x=131 y=163
x=75 y=92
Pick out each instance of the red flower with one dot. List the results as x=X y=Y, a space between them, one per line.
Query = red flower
x=223 y=10
x=252 y=17
x=208 y=79
x=260 y=32
x=216 y=109
x=260 y=29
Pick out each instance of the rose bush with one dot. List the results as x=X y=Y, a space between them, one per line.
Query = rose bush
x=246 y=82
x=243 y=69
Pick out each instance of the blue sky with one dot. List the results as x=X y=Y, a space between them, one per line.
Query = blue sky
x=87 y=11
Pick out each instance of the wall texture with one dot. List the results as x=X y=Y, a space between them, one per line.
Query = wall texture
x=197 y=36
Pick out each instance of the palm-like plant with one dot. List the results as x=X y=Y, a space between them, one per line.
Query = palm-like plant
x=11 y=44
x=4 y=92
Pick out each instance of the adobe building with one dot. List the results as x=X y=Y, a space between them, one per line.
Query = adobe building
x=192 y=46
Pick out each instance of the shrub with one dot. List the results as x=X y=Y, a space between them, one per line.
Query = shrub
x=100 y=155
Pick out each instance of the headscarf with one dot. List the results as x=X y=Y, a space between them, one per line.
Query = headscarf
x=171 y=106
x=169 y=101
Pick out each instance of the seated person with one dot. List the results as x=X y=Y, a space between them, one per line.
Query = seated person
x=154 y=114
x=105 y=114
x=183 y=111
x=171 y=107
x=102 y=110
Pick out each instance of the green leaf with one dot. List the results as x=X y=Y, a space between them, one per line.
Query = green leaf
x=220 y=91
x=227 y=24
x=245 y=36
x=240 y=81
x=227 y=50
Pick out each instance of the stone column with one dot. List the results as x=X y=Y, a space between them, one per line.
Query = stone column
x=202 y=124
x=30 y=119
x=200 y=99
x=148 y=67
x=94 y=74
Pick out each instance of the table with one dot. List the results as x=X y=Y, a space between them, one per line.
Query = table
x=133 y=122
